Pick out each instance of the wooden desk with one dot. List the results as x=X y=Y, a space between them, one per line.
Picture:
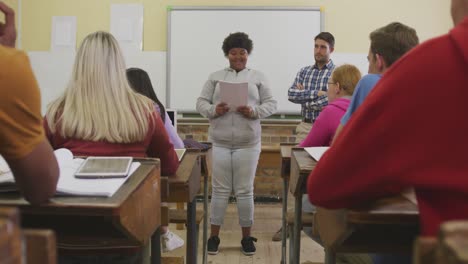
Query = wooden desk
x=183 y=187
x=92 y=224
x=285 y=149
x=387 y=225
x=206 y=172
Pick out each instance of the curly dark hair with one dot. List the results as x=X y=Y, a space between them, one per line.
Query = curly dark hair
x=237 y=40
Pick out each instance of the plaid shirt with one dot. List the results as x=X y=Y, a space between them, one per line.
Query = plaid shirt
x=313 y=79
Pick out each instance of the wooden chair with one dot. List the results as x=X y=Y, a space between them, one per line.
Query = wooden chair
x=450 y=247
x=24 y=246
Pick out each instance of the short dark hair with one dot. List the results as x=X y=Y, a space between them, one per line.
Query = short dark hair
x=140 y=82
x=237 y=40
x=393 y=41
x=327 y=37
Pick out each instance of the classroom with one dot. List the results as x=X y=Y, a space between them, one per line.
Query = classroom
x=179 y=45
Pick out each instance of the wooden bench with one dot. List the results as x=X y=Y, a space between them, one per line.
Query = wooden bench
x=450 y=247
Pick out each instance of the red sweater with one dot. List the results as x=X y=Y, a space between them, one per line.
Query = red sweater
x=155 y=145
x=411 y=131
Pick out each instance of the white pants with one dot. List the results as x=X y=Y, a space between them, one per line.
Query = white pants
x=233 y=170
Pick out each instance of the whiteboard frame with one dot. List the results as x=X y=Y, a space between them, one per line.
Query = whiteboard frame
x=225 y=8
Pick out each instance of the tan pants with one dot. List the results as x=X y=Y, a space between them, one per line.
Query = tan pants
x=302 y=130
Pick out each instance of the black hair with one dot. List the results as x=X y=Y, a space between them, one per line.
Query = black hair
x=327 y=37
x=237 y=40
x=140 y=82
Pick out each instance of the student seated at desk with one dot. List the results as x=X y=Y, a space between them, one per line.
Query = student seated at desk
x=398 y=138
x=99 y=114
x=22 y=141
x=141 y=83
x=340 y=89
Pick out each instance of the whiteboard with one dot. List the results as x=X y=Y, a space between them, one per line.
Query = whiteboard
x=283 y=40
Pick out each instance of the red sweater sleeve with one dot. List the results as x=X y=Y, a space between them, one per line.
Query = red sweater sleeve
x=161 y=147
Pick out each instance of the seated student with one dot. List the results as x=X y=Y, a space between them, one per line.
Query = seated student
x=141 y=83
x=388 y=44
x=341 y=86
x=340 y=89
x=22 y=141
x=99 y=114
x=401 y=136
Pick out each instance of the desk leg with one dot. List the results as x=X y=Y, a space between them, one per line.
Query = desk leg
x=191 y=233
x=297 y=228
x=330 y=257
x=156 y=247
x=205 y=218
x=284 y=227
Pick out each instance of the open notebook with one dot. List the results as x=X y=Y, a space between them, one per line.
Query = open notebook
x=68 y=184
x=316 y=152
x=180 y=153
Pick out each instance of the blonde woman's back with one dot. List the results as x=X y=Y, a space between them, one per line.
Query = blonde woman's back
x=100 y=115
x=98 y=103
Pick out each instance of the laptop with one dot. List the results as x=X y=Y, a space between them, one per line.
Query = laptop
x=173 y=116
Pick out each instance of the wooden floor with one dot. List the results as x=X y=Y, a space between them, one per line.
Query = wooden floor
x=267 y=222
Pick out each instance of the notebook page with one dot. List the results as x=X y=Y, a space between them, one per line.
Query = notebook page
x=233 y=94
x=316 y=152
x=70 y=185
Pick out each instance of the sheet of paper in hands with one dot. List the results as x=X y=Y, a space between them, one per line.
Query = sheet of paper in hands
x=233 y=94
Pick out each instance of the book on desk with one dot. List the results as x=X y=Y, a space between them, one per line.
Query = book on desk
x=68 y=184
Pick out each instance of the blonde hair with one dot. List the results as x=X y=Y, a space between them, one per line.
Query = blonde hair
x=347 y=76
x=98 y=103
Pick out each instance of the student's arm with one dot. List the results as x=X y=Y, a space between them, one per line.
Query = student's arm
x=320 y=134
x=205 y=104
x=296 y=92
x=337 y=133
x=160 y=147
x=363 y=88
x=36 y=174
x=8 y=31
x=268 y=104
x=172 y=133
x=22 y=141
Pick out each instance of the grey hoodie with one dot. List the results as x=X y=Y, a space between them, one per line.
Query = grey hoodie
x=233 y=130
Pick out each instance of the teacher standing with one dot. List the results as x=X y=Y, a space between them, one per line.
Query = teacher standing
x=236 y=138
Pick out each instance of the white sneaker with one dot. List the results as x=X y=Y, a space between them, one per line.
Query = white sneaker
x=171 y=241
